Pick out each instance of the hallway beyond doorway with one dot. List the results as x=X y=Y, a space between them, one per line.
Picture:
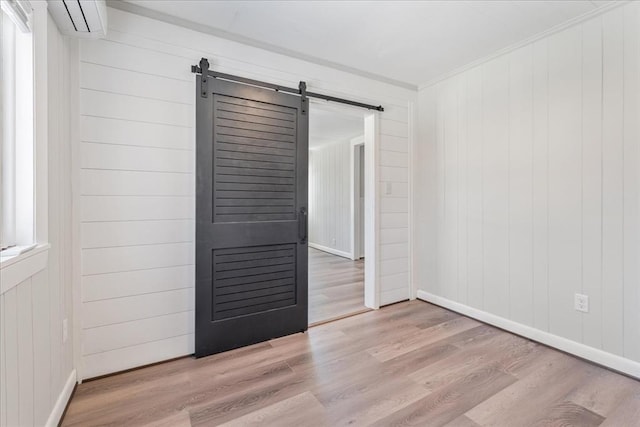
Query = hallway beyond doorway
x=336 y=286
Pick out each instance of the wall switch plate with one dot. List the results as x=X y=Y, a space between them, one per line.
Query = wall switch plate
x=581 y=303
x=388 y=188
x=65 y=330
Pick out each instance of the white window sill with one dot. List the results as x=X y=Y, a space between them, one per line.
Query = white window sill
x=15 y=251
x=16 y=269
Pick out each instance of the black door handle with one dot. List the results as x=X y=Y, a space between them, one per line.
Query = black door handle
x=302 y=225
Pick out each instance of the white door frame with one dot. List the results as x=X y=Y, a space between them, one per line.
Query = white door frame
x=356 y=210
x=371 y=208
x=371 y=120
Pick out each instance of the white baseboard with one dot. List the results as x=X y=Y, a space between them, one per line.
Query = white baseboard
x=63 y=399
x=612 y=361
x=330 y=250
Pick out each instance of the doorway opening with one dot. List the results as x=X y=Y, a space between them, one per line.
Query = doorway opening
x=337 y=211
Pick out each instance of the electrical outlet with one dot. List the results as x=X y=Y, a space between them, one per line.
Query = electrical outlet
x=388 y=188
x=581 y=303
x=65 y=330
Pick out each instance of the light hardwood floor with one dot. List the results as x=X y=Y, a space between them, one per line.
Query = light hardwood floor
x=336 y=286
x=407 y=364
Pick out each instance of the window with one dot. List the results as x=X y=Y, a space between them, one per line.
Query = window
x=16 y=128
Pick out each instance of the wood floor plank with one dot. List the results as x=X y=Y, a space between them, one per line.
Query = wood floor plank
x=169 y=394
x=418 y=359
x=465 y=361
x=604 y=392
x=462 y=421
x=480 y=333
x=534 y=394
x=407 y=364
x=228 y=408
x=375 y=403
x=302 y=409
x=321 y=360
x=435 y=333
x=569 y=414
x=180 y=419
x=449 y=402
x=627 y=413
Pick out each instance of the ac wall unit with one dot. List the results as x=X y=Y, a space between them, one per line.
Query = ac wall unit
x=80 y=18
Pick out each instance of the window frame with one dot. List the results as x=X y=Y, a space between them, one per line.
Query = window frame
x=18 y=127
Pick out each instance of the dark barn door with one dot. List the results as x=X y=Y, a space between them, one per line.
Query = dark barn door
x=251 y=216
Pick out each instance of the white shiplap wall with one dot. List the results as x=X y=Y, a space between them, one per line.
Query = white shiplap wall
x=330 y=197
x=137 y=185
x=36 y=366
x=531 y=181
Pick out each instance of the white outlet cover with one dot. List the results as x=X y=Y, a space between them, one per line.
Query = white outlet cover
x=581 y=303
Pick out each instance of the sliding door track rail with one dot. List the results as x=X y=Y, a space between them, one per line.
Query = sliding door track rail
x=301 y=90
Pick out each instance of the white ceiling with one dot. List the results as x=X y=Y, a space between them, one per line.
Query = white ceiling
x=412 y=42
x=327 y=126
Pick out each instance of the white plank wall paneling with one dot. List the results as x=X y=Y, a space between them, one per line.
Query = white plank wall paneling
x=36 y=364
x=612 y=180
x=592 y=177
x=535 y=189
x=564 y=181
x=474 y=249
x=330 y=196
x=631 y=162
x=540 y=200
x=136 y=172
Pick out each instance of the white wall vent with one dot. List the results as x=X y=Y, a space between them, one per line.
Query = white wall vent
x=80 y=18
